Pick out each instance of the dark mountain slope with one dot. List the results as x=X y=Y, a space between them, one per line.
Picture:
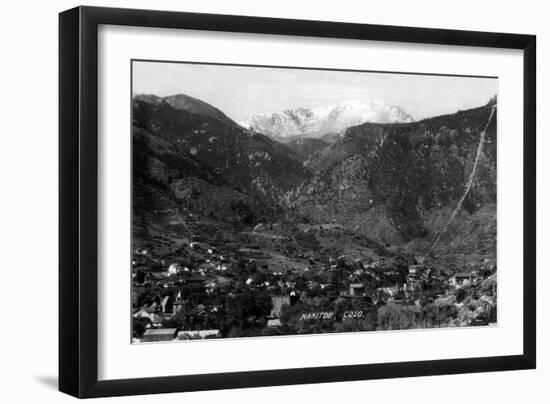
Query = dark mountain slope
x=247 y=161
x=305 y=147
x=168 y=183
x=186 y=103
x=402 y=180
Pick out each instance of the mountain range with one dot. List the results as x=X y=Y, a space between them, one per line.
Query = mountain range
x=384 y=175
x=322 y=121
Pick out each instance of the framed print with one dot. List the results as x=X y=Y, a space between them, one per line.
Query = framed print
x=269 y=202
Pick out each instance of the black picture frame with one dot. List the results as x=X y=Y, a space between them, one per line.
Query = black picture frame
x=78 y=201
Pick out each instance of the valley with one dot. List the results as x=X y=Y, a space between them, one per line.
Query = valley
x=247 y=229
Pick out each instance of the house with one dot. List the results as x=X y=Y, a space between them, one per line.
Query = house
x=479 y=321
x=159 y=334
x=487 y=302
x=150 y=313
x=174 y=269
x=395 y=300
x=146 y=312
x=461 y=279
x=278 y=302
x=390 y=290
x=420 y=259
x=199 y=309
x=139 y=260
x=194 y=280
x=273 y=323
x=157 y=265
x=416 y=269
x=198 y=334
x=221 y=268
x=158 y=318
x=375 y=265
x=158 y=276
x=414 y=277
x=135 y=300
x=178 y=304
x=356 y=289
x=223 y=281
x=167 y=304
x=413 y=283
x=210 y=285
x=254 y=254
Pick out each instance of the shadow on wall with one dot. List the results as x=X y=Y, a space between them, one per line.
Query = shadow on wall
x=48 y=381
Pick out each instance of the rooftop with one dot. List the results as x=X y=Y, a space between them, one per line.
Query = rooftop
x=160 y=331
x=197 y=334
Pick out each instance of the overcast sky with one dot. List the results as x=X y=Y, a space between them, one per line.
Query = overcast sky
x=240 y=91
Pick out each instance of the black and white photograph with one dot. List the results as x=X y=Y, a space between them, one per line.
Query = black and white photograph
x=275 y=202
x=270 y=201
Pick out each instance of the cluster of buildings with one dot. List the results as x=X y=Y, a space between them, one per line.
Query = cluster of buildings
x=172 y=334
x=227 y=269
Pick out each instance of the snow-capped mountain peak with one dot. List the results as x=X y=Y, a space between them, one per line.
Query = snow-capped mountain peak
x=316 y=122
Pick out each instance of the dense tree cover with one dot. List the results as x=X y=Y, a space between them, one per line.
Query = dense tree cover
x=391 y=178
x=424 y=166
x=245 y=311
x=403 y=172
x=139 y=325
x=398 y=317
x=248 y=309
x=140 y=277
x=148 y=296
x=394 y=317
x=234 y=150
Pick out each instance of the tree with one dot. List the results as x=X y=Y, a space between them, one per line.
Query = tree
x=247 y=309
x=139 y=325
x=148 y=297
x=140 y=277
x=434 y=315
x=460 y=294
x=395 y=317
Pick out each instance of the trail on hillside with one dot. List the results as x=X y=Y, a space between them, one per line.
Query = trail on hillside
x=470 y=179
